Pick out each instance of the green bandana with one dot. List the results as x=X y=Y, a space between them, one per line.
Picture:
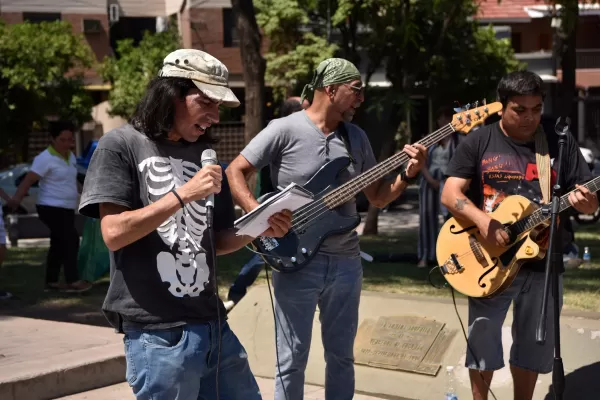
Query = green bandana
x=330 y=72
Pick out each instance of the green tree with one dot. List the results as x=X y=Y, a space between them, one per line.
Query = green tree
x=427 y=47
x=134 y=67
x=296 y=46
x=40 y=77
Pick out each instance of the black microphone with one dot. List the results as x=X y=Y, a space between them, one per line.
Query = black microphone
x=209 y=157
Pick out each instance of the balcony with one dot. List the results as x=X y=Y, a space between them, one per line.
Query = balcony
x=541 y=62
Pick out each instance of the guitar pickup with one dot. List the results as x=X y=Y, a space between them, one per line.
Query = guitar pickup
x=451 y=266
x=268 y=243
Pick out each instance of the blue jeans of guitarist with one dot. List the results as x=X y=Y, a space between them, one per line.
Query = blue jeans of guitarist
x=334 y=284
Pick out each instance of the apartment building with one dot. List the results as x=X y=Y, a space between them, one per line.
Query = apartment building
x=529 y=26
x=204 y=24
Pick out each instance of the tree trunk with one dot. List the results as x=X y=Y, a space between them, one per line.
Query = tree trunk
x=254 y=66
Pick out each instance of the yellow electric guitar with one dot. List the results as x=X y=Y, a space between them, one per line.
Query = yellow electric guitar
x=479 y=269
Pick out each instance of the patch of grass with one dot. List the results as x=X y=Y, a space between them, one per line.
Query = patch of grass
x=394 y=271
x=581 y=286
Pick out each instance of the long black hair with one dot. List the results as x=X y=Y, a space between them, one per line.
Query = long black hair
x=155 y=113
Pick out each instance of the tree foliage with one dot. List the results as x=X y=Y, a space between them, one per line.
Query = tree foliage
x=40 y=77
x=296 y=46
x=426 y=47
x=130 y=71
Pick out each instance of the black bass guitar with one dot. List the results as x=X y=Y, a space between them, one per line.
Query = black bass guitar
x=314 y=222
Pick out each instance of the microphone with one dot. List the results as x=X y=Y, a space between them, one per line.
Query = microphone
x=209 y=157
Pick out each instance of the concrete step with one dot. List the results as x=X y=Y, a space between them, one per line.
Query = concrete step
x=42 y=359
x=123 y=392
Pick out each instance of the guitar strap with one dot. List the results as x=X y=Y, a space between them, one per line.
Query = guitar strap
x=346 y=140
x=542 y=159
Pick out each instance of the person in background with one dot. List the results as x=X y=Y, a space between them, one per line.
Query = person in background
x=431 y=186
x=4 y=295
x=252 y=268
x=56 y=172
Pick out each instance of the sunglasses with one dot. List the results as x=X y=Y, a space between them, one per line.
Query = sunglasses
x=358 y=90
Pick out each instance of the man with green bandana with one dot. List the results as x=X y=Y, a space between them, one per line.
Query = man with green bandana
x=295 y=148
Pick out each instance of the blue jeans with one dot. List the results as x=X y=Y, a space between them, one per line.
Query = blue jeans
x=180 y=363
x=334 y=284
x=245 y=278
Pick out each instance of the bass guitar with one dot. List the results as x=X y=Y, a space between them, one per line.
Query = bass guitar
x=319 y=219
x=477 y=268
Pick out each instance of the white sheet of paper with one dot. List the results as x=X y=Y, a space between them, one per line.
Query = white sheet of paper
x=260 y=223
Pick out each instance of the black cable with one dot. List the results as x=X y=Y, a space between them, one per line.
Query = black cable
x=275 y=321
x=216 y=288
x=461 y=326
x=469 y=346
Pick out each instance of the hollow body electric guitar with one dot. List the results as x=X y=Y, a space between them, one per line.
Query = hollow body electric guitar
x=314 y=222
x=479 y=269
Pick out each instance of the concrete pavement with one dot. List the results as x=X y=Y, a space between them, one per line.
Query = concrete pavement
x=252 y=320
x=123 y=392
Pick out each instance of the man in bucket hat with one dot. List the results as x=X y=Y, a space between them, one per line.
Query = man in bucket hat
x=296 y=147
x=146 y=184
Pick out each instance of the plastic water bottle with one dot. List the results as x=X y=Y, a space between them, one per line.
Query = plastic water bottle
x=587 y=257
x=450 y=391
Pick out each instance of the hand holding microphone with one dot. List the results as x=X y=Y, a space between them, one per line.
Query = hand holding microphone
x=206 y=182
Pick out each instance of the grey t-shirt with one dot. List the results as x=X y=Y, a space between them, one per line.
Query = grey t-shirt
x=166 y=278
x=296 y=149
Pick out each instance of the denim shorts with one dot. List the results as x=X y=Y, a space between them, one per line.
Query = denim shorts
x=486 y=317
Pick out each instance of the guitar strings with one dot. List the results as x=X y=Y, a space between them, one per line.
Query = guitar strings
x=534 y=219
x=340 y=195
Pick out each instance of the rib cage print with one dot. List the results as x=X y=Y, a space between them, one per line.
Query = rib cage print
x=184 y=267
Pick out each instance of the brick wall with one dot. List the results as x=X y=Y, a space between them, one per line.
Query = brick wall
x=99 y=41
x=206 y=33
x=538 y=34
x=12 y=17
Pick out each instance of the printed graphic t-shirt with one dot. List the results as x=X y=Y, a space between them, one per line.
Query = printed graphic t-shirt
x=166 y=278
x=500 y=166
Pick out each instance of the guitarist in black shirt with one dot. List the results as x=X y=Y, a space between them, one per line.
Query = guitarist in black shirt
x=492 y=163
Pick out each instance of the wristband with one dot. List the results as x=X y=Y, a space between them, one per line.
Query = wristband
x=178 y=197
x=406 y=179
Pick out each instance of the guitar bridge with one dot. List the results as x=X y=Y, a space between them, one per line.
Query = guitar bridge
x=452 y=266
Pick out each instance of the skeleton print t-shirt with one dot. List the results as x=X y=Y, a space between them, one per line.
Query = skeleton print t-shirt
x=500 y=166
x=166 y=278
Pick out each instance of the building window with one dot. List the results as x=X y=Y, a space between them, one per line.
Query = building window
x=41 y=17
x=515 y=40
x=230 y=34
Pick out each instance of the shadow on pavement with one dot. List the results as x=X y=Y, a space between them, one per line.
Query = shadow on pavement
x=581 y=384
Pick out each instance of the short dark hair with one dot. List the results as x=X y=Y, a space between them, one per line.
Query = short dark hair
x=56 y=127
x=520 y=83
x=154 y=115
x=289 y=106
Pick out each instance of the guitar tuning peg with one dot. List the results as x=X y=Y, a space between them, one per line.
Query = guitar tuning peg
x=476 y=103
x=457 y=106
x=468 y=106
x=484 y=102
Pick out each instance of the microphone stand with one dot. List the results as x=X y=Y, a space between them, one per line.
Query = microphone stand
x=558 y=374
